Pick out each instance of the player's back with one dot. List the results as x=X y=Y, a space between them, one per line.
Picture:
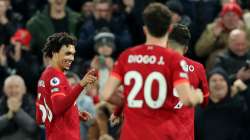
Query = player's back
x=66 y=125
x=148 y=85
x=197 y=78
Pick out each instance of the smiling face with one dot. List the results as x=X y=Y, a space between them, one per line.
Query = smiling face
x=218 y=86
x=64 y=57
x=14 y=87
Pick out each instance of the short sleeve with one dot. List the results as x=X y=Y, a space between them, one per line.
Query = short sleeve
x=179 y=69
x=118 y=69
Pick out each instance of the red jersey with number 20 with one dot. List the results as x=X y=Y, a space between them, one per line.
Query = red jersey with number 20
x=65 y=126
x=148 y=74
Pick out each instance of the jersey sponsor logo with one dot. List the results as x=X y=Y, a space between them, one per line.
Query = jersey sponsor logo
x=41 y=83
x=54 y=81
x=54 y=90
x=145 y=59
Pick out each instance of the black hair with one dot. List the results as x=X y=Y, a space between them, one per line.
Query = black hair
x=56 y=41
x=180 y=34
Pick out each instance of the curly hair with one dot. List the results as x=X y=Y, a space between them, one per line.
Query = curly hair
x=180 y=34
x=56 y=41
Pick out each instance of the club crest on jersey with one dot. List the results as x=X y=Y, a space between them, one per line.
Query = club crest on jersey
x=54 y=81
x=184 y=65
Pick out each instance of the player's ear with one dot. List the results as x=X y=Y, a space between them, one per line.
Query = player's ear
x=145 y=30
x=185 y=50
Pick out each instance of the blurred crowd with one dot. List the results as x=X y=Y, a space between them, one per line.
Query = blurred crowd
x=220 y=31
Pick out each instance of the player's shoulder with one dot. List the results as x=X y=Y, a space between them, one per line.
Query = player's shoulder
x=172 y=53
x=131 y=50
x=51 y=74
x=135 y=48
x=195 y=63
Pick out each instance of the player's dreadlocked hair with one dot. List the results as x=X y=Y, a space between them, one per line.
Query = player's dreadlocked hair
x=180 y=34
x=56 y=41
x=157 y=18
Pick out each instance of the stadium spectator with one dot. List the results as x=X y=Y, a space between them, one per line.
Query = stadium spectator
x=103 y=61
x=87 y=9
x=178 y=15
x=55 y=17
x=224 y=118
x=8 y=24
x=215 y=36
x=18 y=58
x=17 y=111
x=235 y=60
x=102 y=19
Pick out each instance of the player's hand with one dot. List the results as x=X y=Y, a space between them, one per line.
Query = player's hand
x=199 y=94
x=114 y=120
x=14 y=104
x=85 y=116
x=89 y=78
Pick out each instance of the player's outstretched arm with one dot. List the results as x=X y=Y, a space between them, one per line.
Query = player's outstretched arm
x=189 y=96
x=109 y=91
x=62 y=102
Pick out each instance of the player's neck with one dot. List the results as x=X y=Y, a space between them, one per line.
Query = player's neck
x=179 y=50
x=156 y=41
x=55 y=65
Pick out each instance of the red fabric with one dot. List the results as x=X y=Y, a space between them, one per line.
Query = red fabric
x=63 y=121
x=185 y=115
x=23 y=36
x=231 y=7
x=96 y=99
x=118 y=110
x=62 y=103
x=144 y=122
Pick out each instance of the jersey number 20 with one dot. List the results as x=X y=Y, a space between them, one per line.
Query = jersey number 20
x=147 y=89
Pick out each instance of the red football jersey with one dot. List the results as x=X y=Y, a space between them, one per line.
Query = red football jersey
x=197 y=78
x=148 y=74
x=66 y=126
